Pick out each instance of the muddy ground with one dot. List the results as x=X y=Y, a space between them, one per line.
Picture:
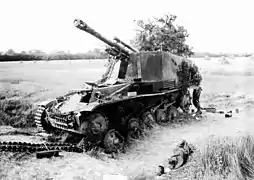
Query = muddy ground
x=225 y=86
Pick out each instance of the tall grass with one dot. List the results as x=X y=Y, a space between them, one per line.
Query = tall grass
x=17 y=113
x=225 y=158
x=229 y=158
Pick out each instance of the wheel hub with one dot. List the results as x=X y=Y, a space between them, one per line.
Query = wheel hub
x=134 y=134
x=113 y=141
x=148 y=119
x=134 y=129
x=94 y=128
x=98 y=124
x=161 y=117
x=172 y=113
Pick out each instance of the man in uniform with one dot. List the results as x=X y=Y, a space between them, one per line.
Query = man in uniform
x=195 y=99
x=196 y=93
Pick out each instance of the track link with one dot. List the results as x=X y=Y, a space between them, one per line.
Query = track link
x=36 y=147
x=38 y=118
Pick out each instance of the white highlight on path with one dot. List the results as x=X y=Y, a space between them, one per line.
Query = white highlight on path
x=114 y=177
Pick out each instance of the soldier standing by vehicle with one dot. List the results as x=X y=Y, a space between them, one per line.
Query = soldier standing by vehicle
x=195 y=99
x=196 y=93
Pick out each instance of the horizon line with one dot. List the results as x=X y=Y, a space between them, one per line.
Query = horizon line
x=92 y=49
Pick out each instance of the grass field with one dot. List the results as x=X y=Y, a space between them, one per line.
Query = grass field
x=225 y=86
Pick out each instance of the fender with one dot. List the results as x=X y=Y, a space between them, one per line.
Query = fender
x=46 y=102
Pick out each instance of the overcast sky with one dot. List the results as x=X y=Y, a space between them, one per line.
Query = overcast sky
x=213 y=25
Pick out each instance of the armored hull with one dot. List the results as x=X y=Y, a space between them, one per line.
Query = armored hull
x=146 y=88
x=104 y=114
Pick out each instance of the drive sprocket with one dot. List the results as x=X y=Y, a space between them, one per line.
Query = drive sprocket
x=41 y=121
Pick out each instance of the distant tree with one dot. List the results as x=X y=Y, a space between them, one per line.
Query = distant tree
x=10 y=52
x=161 y=34
x=97 y=50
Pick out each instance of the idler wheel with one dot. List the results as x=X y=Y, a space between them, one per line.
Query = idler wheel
x=113 y=141
x=161 y=117
x=134 y=129
x=41 y=120
x=148 y=119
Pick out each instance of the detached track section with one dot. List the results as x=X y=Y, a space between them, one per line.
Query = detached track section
x=36 y=147
x=42 y=126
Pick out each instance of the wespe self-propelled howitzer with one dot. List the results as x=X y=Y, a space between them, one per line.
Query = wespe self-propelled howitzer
x=137 y=90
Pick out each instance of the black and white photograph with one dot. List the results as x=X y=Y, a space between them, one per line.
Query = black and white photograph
x=126 y=90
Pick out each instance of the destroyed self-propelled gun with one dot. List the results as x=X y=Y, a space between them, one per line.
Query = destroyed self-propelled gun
x=137 y=90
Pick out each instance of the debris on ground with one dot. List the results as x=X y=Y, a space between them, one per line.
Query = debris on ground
x=160 y=170
x=181 y=155
x=210 y=109
x=220 y=112
x=228 y=114
x=47 y=154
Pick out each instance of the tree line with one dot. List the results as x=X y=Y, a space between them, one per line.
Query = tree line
x=37 y=55
x=214 y=55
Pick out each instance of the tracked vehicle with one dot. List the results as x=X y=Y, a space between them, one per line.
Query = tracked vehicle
x=137 y=90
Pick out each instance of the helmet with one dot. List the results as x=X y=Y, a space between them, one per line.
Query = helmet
x=197 y=79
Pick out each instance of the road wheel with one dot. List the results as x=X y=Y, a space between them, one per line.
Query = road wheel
x=94 y=128
x=113 y=141
x=161 y=117
x=134 y=130
x=148 y=120
x=172 y=113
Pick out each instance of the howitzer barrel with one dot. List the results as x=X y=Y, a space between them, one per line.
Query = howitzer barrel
x=126 y=45
x=83 y=26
